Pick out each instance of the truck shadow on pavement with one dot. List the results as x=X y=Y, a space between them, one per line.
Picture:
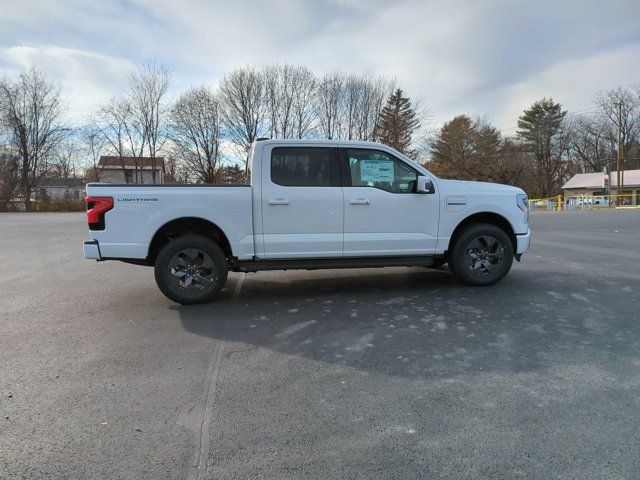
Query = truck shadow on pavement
x=401 y=322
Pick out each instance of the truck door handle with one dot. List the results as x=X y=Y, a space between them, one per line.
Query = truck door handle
x=279 y=201
x=359 y=201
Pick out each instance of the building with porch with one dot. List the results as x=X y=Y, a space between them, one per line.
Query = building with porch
x=595 y=188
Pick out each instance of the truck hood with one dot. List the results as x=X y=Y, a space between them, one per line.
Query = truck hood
x=461 y=187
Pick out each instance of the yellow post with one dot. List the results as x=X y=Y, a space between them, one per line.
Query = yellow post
x=559 y=200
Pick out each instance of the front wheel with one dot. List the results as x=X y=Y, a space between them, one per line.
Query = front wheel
x=482 y=255
x=191 y=269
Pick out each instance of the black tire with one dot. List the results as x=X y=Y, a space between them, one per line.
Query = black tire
x=191 y=269
x=482 y=255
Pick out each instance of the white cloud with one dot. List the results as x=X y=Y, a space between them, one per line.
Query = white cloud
x=573 y=83
x=87 y=79
x=461 y=57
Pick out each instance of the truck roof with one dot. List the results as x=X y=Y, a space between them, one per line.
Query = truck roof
x=293 y=141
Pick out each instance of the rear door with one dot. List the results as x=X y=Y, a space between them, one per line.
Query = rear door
x=302 y=202
x=383 y=214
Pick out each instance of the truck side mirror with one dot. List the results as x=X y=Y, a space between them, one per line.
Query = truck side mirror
x=424 y=185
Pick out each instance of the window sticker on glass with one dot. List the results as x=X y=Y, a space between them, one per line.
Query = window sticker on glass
x=376 y=171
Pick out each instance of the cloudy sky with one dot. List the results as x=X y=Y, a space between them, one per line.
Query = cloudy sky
x=488 y=58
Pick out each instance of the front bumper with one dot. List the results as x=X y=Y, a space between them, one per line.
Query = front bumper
x=91 y=250
x=524 y=241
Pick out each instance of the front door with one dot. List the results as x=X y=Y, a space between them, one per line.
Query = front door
x=382 y=213
x=302 y=203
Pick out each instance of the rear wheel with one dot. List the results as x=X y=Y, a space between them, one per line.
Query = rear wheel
x=482 y=255
x=191 y=269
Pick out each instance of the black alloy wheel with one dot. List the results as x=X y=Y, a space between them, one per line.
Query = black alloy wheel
x=482 y=254
x=191 y=269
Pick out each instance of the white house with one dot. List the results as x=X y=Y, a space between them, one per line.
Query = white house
x=72 y=188
x=591 y=186
x=131 y=169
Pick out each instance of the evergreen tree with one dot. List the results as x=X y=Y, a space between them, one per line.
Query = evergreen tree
x=397 y=124
x=540 y=127
x=230 y=174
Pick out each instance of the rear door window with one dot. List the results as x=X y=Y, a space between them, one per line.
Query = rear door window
x=304 y=166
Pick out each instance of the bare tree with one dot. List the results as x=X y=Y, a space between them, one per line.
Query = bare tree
x=349 y=106
x=195 y=132
x=512 y=165
x=304 y=90
x=121 y=133
x=65 y=159
x=353 y=103
x=93 y=146
x=148 y=88
x=289 y=94
x=329 y=105
x=375 y=90
x=242 y=94
x=133 y=125
x=589 y=143
x=31 y=112
x=9 y=178
x=173 y=169
x=279 y=97
x=630 y=126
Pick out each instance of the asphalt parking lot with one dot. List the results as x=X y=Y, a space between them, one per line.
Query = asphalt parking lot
x=394 y=373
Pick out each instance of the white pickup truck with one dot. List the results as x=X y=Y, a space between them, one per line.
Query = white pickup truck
x=309 y=205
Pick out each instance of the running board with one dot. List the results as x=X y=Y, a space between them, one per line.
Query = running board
x=331 y=263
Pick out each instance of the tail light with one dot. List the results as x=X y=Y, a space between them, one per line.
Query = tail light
x=96 y=208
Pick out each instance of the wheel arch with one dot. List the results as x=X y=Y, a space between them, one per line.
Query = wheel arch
x=184 y=225
x=491 y=218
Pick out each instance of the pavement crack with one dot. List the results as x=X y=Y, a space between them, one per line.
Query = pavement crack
x=201 y=456
x=204 y=438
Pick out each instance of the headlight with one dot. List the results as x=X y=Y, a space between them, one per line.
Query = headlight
x=523 y=204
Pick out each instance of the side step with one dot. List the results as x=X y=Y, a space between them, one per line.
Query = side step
x=332 y=263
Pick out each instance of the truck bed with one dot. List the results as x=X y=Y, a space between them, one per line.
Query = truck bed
x=139 y=211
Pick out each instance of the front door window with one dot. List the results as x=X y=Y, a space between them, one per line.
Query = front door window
x=374 y=168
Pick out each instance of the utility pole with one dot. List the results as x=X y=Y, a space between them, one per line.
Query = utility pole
x=619 y=162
